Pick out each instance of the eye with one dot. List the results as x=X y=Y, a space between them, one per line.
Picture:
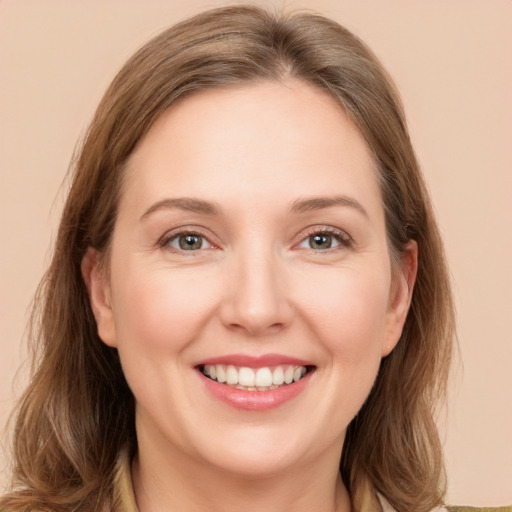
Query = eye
x=325 y=239
x=188 y=242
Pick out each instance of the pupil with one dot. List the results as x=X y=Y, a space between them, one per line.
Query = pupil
x=190 y=242
x=320 y=241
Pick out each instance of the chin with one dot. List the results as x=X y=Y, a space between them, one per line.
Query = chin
x=259 y=453
x=256 y=464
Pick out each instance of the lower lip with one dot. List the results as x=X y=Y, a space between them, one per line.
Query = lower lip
x=255 y=400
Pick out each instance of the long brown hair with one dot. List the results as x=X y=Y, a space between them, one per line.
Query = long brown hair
x=78 y=412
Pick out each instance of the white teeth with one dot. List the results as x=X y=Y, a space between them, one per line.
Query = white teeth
x=246 y=377
x=231 y=375
x=278 y=376
x=249 y=379
x=221 y=374
x=297 y=374
x=264 y=377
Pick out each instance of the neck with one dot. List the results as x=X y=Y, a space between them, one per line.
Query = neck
x=171 y=481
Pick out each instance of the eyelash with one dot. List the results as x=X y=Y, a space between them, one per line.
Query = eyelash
x=344 y=240
x=165 y=241
x=340 y=236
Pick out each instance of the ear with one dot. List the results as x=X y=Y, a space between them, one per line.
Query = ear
x=400 y=296
x=98 y=288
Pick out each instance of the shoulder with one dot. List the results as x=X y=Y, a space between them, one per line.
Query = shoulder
x=478 y=509
x=386 y=507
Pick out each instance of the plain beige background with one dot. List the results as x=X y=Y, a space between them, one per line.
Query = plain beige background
x=452 y=61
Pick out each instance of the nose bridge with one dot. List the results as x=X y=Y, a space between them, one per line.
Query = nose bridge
x=258 y=301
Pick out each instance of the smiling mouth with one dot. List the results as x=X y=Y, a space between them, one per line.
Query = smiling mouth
x=255 y=379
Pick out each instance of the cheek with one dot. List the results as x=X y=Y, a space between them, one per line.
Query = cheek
x=357 y=335
x=348 y=313
x=162 y=310
x=350 y=304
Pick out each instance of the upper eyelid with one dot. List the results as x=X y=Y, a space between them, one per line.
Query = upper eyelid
x=331 y=230
x=306 y=232
x=184 y=230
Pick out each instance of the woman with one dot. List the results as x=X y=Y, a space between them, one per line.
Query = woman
x=229 y=317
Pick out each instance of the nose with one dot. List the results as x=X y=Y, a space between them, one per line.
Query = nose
x=258 y=302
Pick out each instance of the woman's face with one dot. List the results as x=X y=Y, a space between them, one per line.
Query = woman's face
x=250 y=246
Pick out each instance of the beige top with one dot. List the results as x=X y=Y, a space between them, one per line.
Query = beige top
x=124 y=497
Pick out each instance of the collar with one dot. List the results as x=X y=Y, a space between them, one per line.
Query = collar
x=124 y=497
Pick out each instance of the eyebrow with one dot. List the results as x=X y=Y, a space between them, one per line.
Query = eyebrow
x=298 y=206
x=319 y=203
x=183 y=203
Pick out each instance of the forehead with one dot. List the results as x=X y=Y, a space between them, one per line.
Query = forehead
x=254 y=141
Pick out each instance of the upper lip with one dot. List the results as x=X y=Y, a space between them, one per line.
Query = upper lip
x=251 y=361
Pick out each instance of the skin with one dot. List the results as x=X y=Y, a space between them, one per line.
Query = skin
x=256 y=286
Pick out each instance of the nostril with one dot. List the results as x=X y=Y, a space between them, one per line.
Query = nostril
x=256 y=327
x=257 y=303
